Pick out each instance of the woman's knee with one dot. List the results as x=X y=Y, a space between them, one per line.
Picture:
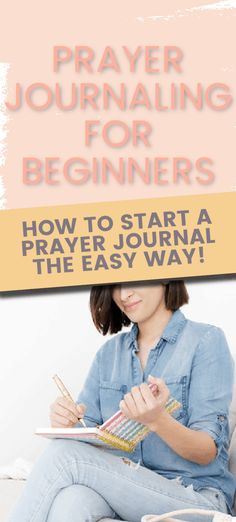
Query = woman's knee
x=66 y=503
x=78 y=503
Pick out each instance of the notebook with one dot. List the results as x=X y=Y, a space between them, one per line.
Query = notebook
x=118 y=431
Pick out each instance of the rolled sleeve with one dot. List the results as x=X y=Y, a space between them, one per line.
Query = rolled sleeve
x=211 y=385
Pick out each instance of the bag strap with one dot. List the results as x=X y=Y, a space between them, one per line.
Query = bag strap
x=168 y=517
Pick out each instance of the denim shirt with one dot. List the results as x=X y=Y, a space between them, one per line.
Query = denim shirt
x=195 y=362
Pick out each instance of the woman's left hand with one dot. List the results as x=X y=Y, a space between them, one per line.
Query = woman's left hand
x=141 y=405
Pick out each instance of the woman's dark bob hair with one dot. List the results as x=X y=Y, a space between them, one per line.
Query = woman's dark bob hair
x=106 y=315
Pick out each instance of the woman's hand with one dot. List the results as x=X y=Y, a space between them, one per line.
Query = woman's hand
x=64 y=413
x=142 y=405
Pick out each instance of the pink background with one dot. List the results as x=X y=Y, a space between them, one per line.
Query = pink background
x=27 y=39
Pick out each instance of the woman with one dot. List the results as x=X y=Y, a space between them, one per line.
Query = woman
x=183 y=462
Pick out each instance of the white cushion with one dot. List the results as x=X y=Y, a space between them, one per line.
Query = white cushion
x=10 y=490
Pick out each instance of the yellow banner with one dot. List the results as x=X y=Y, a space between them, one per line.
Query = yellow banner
x=112 y=242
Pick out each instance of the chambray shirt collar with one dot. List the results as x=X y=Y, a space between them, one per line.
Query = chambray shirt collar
x=170 y=333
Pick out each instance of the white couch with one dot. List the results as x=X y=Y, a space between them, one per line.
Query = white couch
x=11 y=489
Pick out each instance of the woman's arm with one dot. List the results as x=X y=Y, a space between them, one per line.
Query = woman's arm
x=89 y=395
x=142 y=406
x=210 y=394
x=196 y=446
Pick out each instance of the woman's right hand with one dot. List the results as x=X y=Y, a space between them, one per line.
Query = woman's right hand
x=65 y=413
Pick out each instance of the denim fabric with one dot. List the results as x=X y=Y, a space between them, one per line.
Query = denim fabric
x=76 y=482
x=195 y=362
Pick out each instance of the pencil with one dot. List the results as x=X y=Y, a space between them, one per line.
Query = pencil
x=65 y=393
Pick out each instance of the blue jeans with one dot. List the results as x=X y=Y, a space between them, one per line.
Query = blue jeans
x=77 y=482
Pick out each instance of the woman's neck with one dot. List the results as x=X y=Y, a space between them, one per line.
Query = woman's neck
x=151 y=329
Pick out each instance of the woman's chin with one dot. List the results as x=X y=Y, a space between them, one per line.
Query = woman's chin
x=134 y=316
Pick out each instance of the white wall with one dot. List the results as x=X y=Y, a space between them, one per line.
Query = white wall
x=49 y=333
